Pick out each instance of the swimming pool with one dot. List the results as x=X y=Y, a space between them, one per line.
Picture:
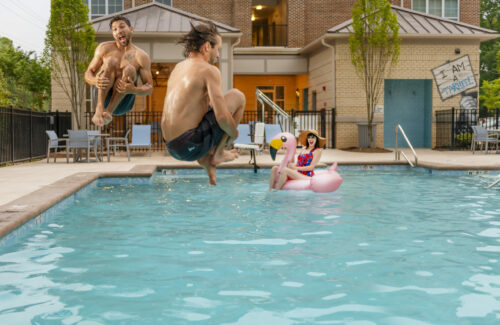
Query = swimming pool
x=390 y=247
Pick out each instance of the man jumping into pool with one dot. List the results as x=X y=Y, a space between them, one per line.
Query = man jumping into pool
x=198 y=120
x=119 y=62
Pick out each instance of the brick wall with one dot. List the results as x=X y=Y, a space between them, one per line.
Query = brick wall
x=307 y=19
x=470 y=11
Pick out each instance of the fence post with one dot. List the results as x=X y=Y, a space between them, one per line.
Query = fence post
x=12 y=133
x=322 y=114
x=57 y=124
x=452 y=128
x=31 y=134
x=333 y=127
x=497 y=116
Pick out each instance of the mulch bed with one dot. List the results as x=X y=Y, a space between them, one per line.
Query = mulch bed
x=366 y=150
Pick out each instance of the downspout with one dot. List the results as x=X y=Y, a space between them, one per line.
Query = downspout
x=334 y=91
x=402 y=3
x=232 y=61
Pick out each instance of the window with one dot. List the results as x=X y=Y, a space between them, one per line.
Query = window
x=99 y=8
x=442 y=8
x=269 y=23
x=165 y=2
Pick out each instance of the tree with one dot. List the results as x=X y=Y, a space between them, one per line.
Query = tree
x=490 y=94
x=374 y=46
x=26 y=77
x=70 y=44
x=5 y=94
x=490 y=18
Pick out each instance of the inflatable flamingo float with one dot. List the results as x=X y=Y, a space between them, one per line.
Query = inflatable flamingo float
x=323 y=181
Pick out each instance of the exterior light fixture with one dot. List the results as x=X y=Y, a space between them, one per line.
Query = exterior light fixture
x=457 y=51
x=253 y=17
x=259 y=7
x=157 y=72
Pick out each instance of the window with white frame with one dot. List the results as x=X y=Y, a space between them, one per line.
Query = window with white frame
x=165 y=2
x=443 y=8
x=99 y=8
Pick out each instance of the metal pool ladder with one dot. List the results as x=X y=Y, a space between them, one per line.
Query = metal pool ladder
x=494 y=183
x=398 y=152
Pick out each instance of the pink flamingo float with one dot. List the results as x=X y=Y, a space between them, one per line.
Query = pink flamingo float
x=323 y=181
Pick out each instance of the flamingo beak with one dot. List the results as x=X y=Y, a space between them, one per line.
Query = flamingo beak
x=274 y=146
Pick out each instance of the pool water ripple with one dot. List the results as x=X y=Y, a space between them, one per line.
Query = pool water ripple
x=390 y=247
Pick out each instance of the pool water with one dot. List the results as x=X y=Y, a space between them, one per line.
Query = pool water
x=389 y=247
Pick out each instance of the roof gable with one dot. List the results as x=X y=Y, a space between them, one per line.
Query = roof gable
x=157 y=18
x=415 y=23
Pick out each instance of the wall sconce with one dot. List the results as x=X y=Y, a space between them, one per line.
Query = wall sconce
x=259 y=7
x=297 y=92
x=457 y=51
x=253 y=17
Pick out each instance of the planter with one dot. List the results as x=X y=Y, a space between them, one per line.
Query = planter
x=363 y=136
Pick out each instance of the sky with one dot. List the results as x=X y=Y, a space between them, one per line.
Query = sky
x=25 y=23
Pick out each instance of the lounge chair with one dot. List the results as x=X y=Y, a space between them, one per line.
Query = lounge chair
x=271 y=131
x=481 y=136
x=141 y=138
x=244 y=141
x=54 y=141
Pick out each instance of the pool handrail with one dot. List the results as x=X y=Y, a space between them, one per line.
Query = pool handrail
x=399 y=152
x=493 y=184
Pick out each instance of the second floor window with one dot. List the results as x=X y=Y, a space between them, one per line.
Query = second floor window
x=99 y=8
x=442 y=8
x=165 y=2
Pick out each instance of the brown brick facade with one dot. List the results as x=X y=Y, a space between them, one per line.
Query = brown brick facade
x=307 y=19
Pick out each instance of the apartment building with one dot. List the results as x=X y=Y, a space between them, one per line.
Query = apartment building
x=296 y=52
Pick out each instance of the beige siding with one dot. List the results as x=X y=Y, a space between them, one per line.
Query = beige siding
x=416 y=60
x=321 y=79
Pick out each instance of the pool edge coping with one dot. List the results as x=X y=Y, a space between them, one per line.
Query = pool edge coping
x=19 y=211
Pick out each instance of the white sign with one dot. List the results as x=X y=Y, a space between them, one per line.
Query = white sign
x=454 y=77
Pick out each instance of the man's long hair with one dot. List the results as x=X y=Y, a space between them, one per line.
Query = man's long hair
x=199 y=34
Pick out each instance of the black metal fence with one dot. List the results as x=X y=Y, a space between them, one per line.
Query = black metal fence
x=22 y=133
x=323 y=121
x=453 y=126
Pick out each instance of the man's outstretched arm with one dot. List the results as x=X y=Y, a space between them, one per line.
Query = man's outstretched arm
x=222 y=115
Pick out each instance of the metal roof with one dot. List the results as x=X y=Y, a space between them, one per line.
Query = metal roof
x=415 y=23
x=157 y=18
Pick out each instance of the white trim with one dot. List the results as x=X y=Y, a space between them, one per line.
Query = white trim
x=442 y=9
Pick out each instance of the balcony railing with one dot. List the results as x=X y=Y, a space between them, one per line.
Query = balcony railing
x=269 y=35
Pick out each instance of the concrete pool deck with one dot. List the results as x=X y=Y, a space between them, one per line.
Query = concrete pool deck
x=30 y=188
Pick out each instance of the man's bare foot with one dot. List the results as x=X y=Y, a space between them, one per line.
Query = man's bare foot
x=107 y=117
x=205 y=162
x=98 y=119
x=226 y=155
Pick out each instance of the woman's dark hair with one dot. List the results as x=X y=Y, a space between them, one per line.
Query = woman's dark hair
x=116 y=18
x=316 y=144
x=199 y=34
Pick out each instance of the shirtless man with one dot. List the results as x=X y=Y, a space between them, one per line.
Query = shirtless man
x=198 y=119
x=119 y=62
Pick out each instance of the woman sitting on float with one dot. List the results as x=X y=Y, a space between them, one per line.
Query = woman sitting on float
x=308 y=158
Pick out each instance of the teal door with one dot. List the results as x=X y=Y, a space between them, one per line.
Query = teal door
x=408 y=103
